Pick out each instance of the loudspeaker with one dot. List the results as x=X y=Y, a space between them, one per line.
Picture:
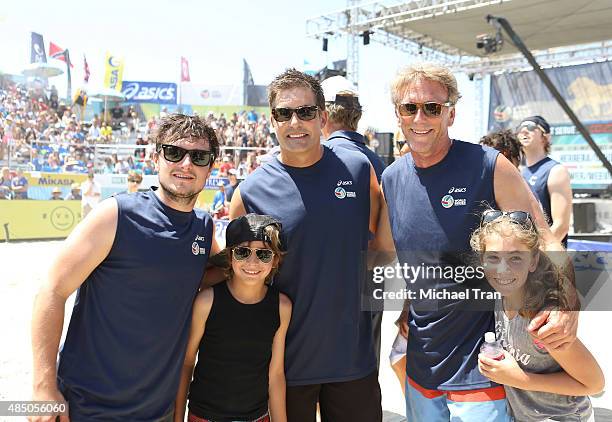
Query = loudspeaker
x=385 y=146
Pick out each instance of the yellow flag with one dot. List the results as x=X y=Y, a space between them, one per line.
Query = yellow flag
x=113 y=78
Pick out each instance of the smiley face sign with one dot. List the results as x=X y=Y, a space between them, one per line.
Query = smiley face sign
x=62 y=218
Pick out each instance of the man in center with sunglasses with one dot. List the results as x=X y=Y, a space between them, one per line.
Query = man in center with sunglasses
x=137 y=261
x=327 y=201
x=433 y=198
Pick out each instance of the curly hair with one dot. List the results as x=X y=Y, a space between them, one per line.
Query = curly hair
x=547 y=286
x=292 y=78
x=180 y=126
x=506 y=142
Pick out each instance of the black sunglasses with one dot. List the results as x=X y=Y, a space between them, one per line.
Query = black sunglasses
x=244 y=252
x=519 y=217
x=174 y=154
x=431 y=109
x=284 y=114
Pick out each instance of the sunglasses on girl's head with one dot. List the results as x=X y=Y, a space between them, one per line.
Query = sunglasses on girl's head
x=244 y=252
x=284 y=114
x=431 y=109
x=198 y=157
x=519 y=217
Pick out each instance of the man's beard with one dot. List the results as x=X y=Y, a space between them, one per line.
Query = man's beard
x=180 y=198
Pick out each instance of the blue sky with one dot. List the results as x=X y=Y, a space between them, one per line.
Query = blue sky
x=214 y=36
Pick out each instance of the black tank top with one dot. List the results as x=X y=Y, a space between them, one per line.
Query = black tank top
x=230 y=381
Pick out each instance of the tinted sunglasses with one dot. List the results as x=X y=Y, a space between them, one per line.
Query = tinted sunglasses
x=131 y=180
x=431 y=109
x=242 y=253
x=174 y=154
x=284 y=114
x=519 y=217
x=530 y=126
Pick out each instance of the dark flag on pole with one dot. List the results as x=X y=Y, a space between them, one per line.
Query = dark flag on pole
x=86 y=72
x=37 y=49
x=248 y=76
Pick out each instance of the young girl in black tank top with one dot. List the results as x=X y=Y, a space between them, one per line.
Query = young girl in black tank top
x=238 y=333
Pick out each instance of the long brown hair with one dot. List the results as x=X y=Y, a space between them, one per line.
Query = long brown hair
x=546 y=286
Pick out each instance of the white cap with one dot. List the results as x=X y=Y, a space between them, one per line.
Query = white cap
x=332 y=86
x=489 y=337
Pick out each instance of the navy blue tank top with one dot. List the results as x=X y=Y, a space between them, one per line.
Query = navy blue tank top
x=355 y=141
x=537 y=179
x=324 y=209
x=126 y=341
x=433 y=212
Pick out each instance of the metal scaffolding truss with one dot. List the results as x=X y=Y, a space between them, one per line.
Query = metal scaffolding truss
x=393 y=25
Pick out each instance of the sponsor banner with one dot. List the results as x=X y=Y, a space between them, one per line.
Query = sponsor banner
x=149 y=92
x=200 y=94
x=113 y=76
x=40 y=184
x=27 y=219
x=587 y=90
x=213 y=182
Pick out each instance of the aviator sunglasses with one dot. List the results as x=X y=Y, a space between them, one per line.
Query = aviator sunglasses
x=174 y=154
x=431 y=109
x=519 y=217
x=242 y=253
x=530 y=126
x=284 y=114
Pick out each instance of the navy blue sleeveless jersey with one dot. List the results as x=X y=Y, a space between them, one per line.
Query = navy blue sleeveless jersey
x=537 y=179
x=324 y=209
x=126 y=341
x=433 y=212
x=355 y=141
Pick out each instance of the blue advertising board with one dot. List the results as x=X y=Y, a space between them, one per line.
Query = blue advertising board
x=149 y=92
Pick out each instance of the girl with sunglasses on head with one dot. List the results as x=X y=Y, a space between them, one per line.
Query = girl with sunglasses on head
x=238 y=334
x=540 y=384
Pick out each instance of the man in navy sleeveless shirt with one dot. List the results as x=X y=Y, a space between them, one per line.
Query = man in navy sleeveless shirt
x=137 y=261
x=433 y=197
x=548 y=179
x=327 y=201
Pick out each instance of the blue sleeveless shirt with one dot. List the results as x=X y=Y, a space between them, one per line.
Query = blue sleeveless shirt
x=537 y=179
x=126 y=341
x=356 y=142
x=433 y=212
x=324 y=209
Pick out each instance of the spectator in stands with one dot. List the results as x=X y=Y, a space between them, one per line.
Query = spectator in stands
x=134 y=180
x=106 y=132
x=233 y=179
x=91 y=194
x=219 y=204
x=506 y=142
x=5 y=193
x=225 y=166
x=75 y=193
x=5 y=178
x=19 y=185
x=148 y=167
x=56 y=194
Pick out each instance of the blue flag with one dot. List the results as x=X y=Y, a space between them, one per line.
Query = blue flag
x=37 y=49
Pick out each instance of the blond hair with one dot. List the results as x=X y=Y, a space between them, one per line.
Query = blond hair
x=344 y=114
x=424 y=70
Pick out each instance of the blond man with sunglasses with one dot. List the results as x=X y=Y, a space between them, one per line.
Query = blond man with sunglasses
x=137 y=262
x=433 y=197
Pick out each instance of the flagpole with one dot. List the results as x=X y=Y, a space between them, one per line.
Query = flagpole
x=69 y=85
